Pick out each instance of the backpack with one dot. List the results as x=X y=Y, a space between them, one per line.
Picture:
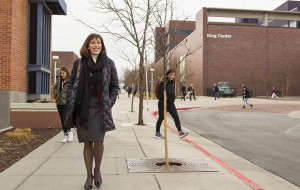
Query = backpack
x=156 y=89
x=248 y=94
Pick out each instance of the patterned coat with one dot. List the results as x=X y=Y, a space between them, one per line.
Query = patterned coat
x=110 y=93
x=61 y=97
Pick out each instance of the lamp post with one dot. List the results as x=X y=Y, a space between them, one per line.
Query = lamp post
x=146 y=68
x=55 y=58
x=152 y=81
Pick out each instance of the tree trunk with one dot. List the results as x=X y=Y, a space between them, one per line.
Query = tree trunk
x=141 y=90
x=287 y=88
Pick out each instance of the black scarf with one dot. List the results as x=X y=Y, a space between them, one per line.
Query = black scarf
x=90 y=84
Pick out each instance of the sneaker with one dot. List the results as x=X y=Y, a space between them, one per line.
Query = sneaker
x=65 y=138
x=158 y=135
x=69 y=136
x=182 y=134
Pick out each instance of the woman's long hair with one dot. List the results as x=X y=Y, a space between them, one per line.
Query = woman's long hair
x=65 y=69
x=84 y=51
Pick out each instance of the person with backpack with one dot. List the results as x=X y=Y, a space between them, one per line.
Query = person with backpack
x=246 y=96
x=191 y=90
x=170 y=91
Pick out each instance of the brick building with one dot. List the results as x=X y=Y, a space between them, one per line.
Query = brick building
x=176 y=31
x=65 y=59
x=25 y=40
x=291 y=6
x=259 y=56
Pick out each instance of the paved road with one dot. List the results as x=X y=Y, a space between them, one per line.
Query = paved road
x=269 y=140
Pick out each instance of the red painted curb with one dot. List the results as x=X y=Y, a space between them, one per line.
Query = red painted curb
x=242 y=177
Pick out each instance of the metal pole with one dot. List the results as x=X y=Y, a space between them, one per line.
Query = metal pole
x=55 y=58
x=152 y=70
x=54 y=72
x=165 y=120
x=165 y=130
x=132 y=85
x=146 y=68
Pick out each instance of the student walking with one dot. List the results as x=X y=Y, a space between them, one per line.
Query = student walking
x=60 y=89
x=129 y=89
x=246 y=96
x=274 y=93
x=93 y=91
x=191 y=90
x=216 y=91
x=170 y=91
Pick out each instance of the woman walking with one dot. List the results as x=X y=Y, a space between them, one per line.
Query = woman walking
x=170 y=90
x=93 y=91
x=60 y=95
x=246 y=96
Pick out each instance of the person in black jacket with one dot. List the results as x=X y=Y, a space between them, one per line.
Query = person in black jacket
x=92 y=91
x=191 y=90
x=216 y=91
x=246 y=96
x=170 y=91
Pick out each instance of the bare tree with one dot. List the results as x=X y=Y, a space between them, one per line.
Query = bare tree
x=286 y=79
x=130 y=23
x=168 y=52
x=267 y=86
x=254 y=81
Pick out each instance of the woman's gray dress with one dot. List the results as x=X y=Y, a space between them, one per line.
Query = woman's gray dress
x=94 y=131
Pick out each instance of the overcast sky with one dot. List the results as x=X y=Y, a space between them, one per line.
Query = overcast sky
x=69 y=35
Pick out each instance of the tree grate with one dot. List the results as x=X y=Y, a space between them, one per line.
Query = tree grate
x=176 y=165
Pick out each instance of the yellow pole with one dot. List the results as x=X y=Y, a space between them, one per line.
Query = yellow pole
x=165 y=129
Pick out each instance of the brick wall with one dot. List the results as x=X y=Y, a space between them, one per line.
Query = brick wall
x=258 y=57
x=13 y=40
x=19 y=45
x=5 y=43
x=159 y=49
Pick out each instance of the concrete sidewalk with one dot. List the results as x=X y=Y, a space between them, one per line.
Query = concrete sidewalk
x=58 y=166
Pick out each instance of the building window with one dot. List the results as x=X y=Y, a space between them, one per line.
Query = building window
x=46 y=38
x=173 y=45
x=31 y=82
x=293 y=24
x=39 y=51
x=32 y=32
x=175 y=31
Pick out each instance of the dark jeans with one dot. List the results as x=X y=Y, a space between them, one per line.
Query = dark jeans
x=173 y=112
x=217 y=95
x=183 y=96
x=192 y=94
x=62 y=111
